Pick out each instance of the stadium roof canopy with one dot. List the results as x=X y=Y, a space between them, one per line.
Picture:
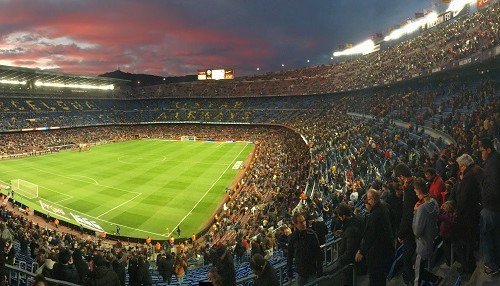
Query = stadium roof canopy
x=27 y=74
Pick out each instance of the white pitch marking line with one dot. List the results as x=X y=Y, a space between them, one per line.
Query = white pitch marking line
x=95 y=182
x=69 y=177
x=204 y=195
x=99 y=216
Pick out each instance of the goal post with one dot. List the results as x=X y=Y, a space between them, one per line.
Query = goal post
x=24 y=188
x=188 y=138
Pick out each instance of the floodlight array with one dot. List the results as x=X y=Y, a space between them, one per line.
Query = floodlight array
x=81 y=86
x=411 y=27
x=364 y=48
x=6 y=81
x=368 y=46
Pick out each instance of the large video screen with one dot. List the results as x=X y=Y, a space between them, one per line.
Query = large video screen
x=215 y=74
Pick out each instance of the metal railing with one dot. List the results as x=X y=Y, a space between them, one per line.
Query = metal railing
x=330 y=252
x=20 y=277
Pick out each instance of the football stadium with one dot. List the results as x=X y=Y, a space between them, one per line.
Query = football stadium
x=380 y=169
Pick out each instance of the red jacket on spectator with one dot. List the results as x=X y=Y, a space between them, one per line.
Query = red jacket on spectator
x=436 y=188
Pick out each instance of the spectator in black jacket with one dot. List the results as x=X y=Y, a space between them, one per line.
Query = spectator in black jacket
x=225 y=266
x=405 y=234
x=165 y=265
x=81 y=265
x=352 y=231
x=467 y=212
x=143 y=275
x=303 y=245
x=138 y=271
x=394 y=200
x=119 y=264
x=490 y=213
x=377 y=243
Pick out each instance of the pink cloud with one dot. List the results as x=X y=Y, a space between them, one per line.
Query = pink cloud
x=131 y=35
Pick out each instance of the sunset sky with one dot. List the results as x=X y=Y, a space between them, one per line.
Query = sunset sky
x=177 y=37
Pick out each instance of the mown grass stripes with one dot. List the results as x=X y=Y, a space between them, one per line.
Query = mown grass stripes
x=142 y=185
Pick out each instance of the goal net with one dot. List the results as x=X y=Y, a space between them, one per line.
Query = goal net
x=188 y=138
x=24 y=188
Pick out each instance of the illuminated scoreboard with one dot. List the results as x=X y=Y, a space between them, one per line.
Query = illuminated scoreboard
x=215 y=74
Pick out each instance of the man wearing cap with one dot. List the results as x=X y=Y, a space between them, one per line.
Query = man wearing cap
x=303 y=245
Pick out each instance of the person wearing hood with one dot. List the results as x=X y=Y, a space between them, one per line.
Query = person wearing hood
x=425 y=230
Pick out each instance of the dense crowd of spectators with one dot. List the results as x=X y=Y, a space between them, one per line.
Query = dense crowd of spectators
x=339 y=158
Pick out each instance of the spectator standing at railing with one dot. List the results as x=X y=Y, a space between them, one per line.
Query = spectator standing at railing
x=490 y=213
x=303 y=246
x=377 y=244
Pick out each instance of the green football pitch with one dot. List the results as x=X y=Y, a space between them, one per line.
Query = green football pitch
x=144 y=186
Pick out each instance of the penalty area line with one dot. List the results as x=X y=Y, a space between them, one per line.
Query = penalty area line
x=211 y=187
x=125 y=202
